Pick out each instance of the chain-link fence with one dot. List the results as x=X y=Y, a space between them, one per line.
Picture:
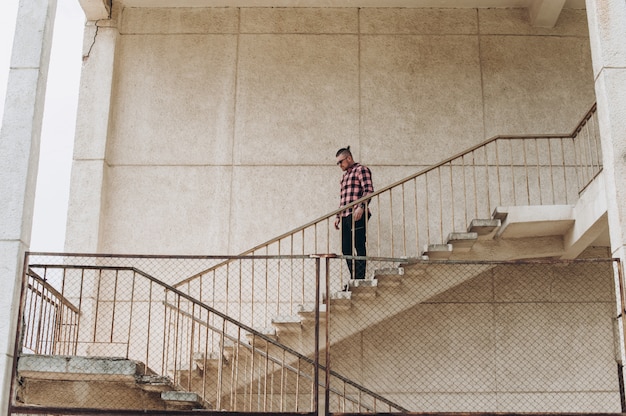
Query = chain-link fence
x=482 y=337
x=109 y=333
x=281 y=334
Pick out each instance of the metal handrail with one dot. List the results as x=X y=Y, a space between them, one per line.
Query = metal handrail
x=429 y=209
x=185 y=327
x=296 y=355
x=49 y=288
x=51 y=327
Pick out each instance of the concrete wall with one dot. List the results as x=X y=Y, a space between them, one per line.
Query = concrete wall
x=223 y=123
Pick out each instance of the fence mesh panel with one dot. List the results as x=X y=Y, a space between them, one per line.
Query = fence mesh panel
x=112 y=333
x=481 y=337
x=152 y=334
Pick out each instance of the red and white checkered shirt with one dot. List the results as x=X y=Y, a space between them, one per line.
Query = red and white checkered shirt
x=356 y=182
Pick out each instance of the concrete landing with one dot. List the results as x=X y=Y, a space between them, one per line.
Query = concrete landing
x=97 y=383
x=535 y=220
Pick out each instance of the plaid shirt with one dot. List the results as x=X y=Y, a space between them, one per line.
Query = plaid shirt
x=355 y=183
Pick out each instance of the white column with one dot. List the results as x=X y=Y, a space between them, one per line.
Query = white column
x=607 y=32
x=19 y=158
x=92 y=127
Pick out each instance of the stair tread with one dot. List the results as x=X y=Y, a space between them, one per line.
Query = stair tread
x=463 y=235
x=287 y=323
x=438 y=251
x=484 y=226
x=462 y=241
x=363 y=283
x=181 y=396
x=390 y=271
x=286 y=319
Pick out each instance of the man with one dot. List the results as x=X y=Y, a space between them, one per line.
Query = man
x=356 y=183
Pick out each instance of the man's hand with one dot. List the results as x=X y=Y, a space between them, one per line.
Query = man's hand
x=337 y=221
x=357 y=213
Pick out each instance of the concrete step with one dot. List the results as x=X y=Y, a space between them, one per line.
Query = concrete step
x=154 y=383
x=484 y=227
x=285 y=324
x=258 y=341
x=389 y=277
x=307 y=313
x=183 y=400
x=202 y=362
x=341 y=301
x=363 y=288
x=462 y=242
x=500 y=213
x=438 y=251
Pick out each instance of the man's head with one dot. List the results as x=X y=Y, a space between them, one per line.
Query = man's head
x=344 y=158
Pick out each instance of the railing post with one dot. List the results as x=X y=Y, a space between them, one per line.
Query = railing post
x=317 y=258
x=327 y=326
x=19 y=332
x=317 y=338
x=621 y=331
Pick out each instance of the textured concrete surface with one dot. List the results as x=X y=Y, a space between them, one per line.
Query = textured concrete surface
x=224 y=115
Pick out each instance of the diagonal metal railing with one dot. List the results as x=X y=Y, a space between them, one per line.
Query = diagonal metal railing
x=51 y=320
x=424 y=208
x=121 y=311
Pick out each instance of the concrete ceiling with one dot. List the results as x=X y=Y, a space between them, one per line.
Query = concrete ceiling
x=542 y=13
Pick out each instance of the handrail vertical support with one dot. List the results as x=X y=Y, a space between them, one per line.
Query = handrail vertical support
x=19 y=329
x=327 y=331
x=327 y=325
x=316 y=368
x=621 y=330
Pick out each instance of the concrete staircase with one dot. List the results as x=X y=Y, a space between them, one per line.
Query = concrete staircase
x=512 y=233
x=517 y=232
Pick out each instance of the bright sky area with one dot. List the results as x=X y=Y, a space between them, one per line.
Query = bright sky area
x=59 y=117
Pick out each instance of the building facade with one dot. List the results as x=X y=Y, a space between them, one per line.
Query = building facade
x=211 y=129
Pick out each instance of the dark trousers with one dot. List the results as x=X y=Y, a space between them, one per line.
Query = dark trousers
x=348 y=247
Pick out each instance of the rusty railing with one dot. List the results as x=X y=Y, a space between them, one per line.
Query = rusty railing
x=426 y=207
x=179 y=343
x=50 y=321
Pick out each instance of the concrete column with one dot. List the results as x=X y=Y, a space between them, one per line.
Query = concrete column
x=607 y=33
x=19 y=158
x=92 y=127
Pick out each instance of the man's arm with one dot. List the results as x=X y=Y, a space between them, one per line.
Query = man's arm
x=367 y=187
x=367 y=183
